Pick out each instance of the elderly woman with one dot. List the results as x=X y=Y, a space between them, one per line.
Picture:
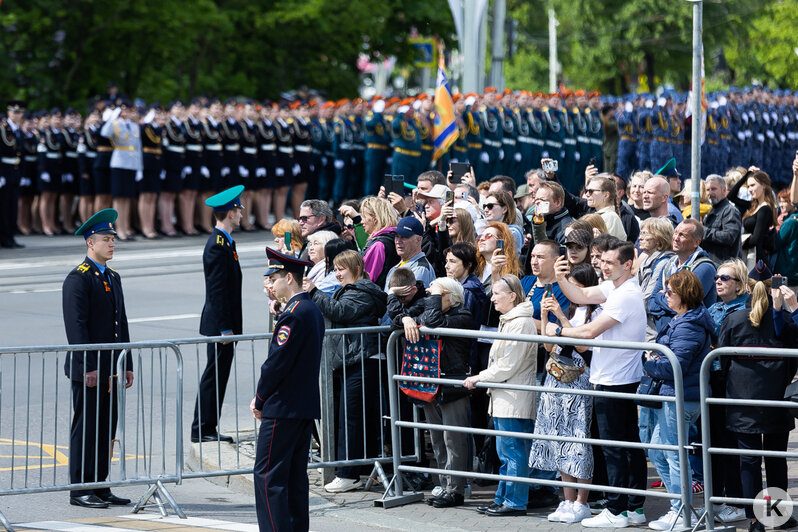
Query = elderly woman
x=358 y=303
x=444 y=307
x=688 y=335
x=511 y=362
x=656 y=235
x=297 y=240
x=318 y=273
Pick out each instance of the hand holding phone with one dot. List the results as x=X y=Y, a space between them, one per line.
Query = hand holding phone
x=547 y=290
x=777 y=281
x=550 y=166
x=458 y=171
x=563 y=250
x=500 y=244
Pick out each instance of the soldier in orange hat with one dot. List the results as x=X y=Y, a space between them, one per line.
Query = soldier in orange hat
x=406 y=142
x=492 y=153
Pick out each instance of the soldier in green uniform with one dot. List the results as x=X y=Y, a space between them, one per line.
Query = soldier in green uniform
x=474 y=138
x=458 y=152
x=424 y=120
x=510 y=158
x=343 y=148
x=490 y=119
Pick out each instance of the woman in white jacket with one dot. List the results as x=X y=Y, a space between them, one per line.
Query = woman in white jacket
x=511 y=362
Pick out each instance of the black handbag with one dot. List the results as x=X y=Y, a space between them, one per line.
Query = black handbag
x=649 y=386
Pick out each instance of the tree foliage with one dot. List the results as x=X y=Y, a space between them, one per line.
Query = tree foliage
x=66 y=52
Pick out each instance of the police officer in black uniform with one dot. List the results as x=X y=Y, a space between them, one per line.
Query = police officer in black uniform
x=221 y=315
x=10 y=159
x=287 y=400
x=94 y=313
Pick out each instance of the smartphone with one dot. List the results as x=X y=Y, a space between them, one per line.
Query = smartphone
x=563 y=250
x=449 y=196
x=458 y=171
x=419 y=208
x=592 y=162
x=542 y=207
x=398 y=184
x=464 y=197
x=287 y=238
x=387 y=184
x=777 y=281
x=551 y=166
x=547 y=289
x=500 y=244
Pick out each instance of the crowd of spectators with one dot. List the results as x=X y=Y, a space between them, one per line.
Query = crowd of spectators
x=620 y=263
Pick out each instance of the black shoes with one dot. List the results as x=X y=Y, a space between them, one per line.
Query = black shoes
x=547 y=499
x=504 y=511
x=212 y=437
x=791 y=523
x=448 y=500
x=491 y=506
x=756 y=526
x=89 y=501
x=114 y=500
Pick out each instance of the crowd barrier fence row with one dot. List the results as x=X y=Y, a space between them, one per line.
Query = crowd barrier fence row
x=151 y=431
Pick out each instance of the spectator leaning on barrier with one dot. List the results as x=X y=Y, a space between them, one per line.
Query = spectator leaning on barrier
x=511 y=362
x=762 y=378
x=722 y=224
x=616 y=370
x=689 y=255
x=358 y=303
x=444 y=308
x=688 y=335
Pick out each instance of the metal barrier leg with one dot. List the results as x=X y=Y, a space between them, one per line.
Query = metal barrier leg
x=399 y=498
x=6 y=523
x=157 y=491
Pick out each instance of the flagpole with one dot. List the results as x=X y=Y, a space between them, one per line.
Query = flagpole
x=695 y=161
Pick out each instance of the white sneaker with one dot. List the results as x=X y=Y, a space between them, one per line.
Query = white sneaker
x=635 y=517
x=437 y=491
x=562 y=511
x=341 y=485
x=672 y=519
x=578 y=513
x=727 y=514
x=606 y=519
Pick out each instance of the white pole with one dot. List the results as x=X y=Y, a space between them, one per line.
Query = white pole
x=497 y=57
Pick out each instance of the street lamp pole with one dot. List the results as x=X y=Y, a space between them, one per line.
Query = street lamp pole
x=695 y=161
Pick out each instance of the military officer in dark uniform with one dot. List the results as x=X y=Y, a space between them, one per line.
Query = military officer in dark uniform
x=378 y=146
x=10 y=159
x=287 y=401
x=221 y=315
x=94 y=313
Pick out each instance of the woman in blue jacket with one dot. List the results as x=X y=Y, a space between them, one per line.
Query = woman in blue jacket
x=688 y=335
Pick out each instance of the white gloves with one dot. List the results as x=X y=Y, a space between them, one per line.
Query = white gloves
x=205 y=172
x=485 y=158
x=139 y=176
x=242 y=170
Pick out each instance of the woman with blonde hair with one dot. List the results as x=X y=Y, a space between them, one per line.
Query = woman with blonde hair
x=596 y=222
x=377 y=222
x=762 y=378
x=287 y=225
x=656 y=235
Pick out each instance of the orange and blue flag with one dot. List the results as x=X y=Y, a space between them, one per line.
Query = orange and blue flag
x=444 y=130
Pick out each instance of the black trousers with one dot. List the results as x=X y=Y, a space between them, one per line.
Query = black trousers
x=212 y=388
x=751 y=466
x=617 y=420
x=94 y=419
x=281 y=474
x=8 y=205
x=725 y=468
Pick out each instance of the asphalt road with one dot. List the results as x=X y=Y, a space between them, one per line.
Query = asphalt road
x=164 y=295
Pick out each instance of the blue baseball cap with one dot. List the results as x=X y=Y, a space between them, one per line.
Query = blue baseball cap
x=409 y=226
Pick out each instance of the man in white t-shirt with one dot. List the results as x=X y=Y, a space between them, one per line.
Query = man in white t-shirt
x=623 y=319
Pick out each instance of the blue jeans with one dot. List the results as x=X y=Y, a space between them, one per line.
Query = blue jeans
x=667 y=462
x=514 y=456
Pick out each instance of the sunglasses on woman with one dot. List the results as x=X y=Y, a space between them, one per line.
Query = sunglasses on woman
x=726 y=278
x=489 y=206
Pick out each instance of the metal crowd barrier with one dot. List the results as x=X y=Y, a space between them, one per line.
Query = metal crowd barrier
x=707 y=450
x=239 y=423
x=35 y=426
x=394 y=495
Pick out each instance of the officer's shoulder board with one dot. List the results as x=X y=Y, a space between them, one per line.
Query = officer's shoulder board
x=222 y=241
x=291 y=308
x=83 y=267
